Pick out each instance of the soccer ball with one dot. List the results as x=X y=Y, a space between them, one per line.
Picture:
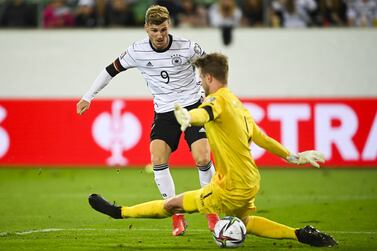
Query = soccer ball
x=229 y=232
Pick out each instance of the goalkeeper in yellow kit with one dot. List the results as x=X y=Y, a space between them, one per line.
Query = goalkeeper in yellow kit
x=230 y=130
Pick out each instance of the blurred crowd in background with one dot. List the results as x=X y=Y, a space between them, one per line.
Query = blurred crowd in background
x=189 y=13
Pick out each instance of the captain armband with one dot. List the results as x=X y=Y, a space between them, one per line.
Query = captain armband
x=115 y=68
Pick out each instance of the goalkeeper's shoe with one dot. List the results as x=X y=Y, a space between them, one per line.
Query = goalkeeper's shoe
x=103 y=206
x=313 y=237
x=212 y=220
x=179 y=224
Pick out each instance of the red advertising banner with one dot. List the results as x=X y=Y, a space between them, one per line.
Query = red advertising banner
x=116 y=132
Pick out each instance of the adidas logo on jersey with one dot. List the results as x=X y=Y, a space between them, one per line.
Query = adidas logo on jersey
x=149 y=64
x=202 y=129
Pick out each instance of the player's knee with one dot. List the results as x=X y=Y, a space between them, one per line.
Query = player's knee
x=157 y=159
x=160 y=152
x=202 y=160
x=201 y=152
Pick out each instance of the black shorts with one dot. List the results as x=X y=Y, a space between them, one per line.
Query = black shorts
x=165 y=127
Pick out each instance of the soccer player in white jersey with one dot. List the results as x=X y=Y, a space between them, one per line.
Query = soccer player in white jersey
x=165 y=63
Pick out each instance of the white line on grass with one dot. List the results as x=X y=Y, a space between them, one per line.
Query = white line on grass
x=47 y=230
x=265 y=196
x=353 y=232
x=319 y=197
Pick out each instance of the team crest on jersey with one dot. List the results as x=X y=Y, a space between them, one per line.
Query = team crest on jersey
x=123 y=54
x=198 y=50
x=176 y=59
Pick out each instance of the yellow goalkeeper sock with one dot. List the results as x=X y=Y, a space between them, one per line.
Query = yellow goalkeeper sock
x=151 y=209
x=266 y=228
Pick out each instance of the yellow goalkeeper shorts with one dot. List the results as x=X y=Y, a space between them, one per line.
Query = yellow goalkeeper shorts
x=213 y=199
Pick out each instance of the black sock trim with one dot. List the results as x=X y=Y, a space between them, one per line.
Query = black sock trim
x=160 y=167
x=206 y=167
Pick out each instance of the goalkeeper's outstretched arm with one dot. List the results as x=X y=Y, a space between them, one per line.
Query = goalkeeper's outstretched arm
x=196 y=117
x=307 y=157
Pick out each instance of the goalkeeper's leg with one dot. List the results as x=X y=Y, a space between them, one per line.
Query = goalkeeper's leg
x=151 y=209
x=183 y=203
x=266 y=228
x=156 y=209
x=309 y=235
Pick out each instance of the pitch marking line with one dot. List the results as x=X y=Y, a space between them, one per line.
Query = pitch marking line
x=48 y=230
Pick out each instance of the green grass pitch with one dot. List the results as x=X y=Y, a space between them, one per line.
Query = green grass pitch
x=47 y=209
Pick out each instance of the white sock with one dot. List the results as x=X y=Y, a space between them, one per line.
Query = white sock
x=205 y=173
x=164 y=181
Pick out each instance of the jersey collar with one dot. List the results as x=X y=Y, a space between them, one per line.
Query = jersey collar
x=163 y=50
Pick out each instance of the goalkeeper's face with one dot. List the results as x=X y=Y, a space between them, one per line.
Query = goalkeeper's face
x=204 y=83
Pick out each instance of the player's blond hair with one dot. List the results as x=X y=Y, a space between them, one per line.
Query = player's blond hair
x=215 y=64
x=156 y=14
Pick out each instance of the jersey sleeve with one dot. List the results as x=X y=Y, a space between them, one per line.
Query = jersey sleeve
x=266 y=142
x=213 y=105
x=209 y=110
x=99 y=83
x=127 y=58
x=123 y=62
x=199 y=117
x=196 y=51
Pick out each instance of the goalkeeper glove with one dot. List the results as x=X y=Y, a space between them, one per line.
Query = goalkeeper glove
x=312 y=157
x=183 y=116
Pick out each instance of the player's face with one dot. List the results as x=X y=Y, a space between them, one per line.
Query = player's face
x=158 y=35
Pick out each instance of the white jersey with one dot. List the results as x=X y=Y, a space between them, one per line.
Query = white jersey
x=168 y=73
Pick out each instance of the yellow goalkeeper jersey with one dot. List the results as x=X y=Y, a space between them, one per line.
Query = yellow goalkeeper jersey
x=230 y=130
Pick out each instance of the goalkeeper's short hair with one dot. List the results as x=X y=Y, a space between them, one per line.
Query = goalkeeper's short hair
x=215 y=64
